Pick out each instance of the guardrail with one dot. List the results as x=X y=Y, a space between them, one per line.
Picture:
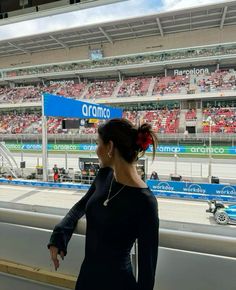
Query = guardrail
x=181 y=264
x=176 y=239
x=200 y=137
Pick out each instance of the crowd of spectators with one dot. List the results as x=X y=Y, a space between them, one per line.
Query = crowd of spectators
x=101 y=89
x=163 y=120
x=20 y=94
x=131 y=86
x=75 y=90
x=219 y=120
x=17 y=123
x=191 y=115
x=28 y=123
x=54 y=126
x=216 y=81
x=123 y=60
x=171 y=85
x=89 y=130
x=134 y=86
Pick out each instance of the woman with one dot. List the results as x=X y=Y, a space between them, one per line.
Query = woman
x=119 y=209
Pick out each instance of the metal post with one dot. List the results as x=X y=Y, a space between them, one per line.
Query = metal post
x=21 y=154
x=120 y=76
x=44 y=143
x=210 y=155
x=176 y=164
x=22 y=158
x=191 y=171
x=165 y=72
x=136 y=260
x=66 y=159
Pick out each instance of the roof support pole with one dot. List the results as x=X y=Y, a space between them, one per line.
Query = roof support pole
x=160 y=26
x=106 y=35
x=223 y=17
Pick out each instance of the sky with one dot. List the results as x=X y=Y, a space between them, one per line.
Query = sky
x=130 y=8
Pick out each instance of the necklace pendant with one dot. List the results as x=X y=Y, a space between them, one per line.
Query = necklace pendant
x=106 y=202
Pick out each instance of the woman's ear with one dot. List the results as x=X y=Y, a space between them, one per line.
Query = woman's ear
x=110 y=148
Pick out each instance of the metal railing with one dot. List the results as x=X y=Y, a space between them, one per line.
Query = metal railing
x=185 y=254
x=88 y=138
x=176 y=239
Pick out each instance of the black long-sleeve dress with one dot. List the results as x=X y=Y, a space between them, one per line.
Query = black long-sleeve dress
x=111 y=231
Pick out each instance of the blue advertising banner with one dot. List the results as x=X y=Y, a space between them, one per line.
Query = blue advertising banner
x=171 y=189
x=201 y=191
x=45 y=184
x=59 y=106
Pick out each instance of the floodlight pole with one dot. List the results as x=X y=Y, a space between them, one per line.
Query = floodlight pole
x=44 y=143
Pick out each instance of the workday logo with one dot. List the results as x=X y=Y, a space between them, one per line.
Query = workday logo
x=227 y=190
x=194 y=188
x=165 y=186
x=93 y=111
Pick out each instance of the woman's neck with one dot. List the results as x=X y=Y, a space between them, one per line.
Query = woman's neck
x=126 y=173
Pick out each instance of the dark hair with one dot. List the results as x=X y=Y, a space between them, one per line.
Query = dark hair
x=130 y=141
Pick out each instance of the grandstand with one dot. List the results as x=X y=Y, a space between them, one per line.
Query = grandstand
x=20 y=10
x=172 y=69
x=175 y=70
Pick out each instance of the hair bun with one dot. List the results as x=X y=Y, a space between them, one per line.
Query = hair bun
x=130 y=141
x=144 y=137
x=145 y=128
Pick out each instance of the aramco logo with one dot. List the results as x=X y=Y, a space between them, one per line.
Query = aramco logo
x=94 y=111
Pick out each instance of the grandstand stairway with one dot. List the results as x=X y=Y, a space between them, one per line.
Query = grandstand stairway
x=85 y=92
x=33 y=128
x=199 y=121
x=116 y=90
x=182 y=121
x=151 y=87
x=194 y=80
x=8 y=161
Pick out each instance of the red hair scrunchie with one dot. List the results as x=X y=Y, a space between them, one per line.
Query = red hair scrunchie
x=144 y=140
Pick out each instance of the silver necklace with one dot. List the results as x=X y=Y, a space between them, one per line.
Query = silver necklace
x=109 y=193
